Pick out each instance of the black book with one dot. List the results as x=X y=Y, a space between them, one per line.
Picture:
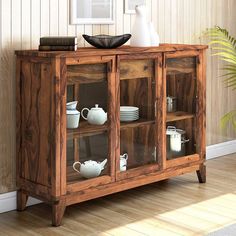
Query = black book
x=57 y=48
x=60 y=41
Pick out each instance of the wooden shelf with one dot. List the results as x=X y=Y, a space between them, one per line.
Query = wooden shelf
x=134 y=124
x=85 y=129
x=179 y=115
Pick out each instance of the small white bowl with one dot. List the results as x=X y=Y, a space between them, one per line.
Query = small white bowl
x=71 y=105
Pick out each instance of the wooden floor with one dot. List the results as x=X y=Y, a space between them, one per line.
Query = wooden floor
x=179 y=206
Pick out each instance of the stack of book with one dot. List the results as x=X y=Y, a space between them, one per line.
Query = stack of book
x=58 y=44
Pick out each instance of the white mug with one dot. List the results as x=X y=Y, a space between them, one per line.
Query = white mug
x=72 y=119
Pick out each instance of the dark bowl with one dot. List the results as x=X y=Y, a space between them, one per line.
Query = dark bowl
x=107 y=41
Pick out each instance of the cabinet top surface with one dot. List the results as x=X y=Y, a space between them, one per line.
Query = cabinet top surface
x=91 y=51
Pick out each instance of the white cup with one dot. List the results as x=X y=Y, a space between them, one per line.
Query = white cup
x=72 y=118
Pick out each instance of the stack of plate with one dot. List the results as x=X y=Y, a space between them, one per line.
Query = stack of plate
x=129 y=113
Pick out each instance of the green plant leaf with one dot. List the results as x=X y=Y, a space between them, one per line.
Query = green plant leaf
x=229 y=118
x=231 y=78
x=224 y=46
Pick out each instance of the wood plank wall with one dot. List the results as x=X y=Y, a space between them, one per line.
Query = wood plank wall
x=22 y=22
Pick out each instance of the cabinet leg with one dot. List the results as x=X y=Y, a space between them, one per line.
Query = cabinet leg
x=21 y=200
x=58 y=210
x=201 y=174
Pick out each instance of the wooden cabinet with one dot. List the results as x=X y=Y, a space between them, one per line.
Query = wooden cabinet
x=138 y=77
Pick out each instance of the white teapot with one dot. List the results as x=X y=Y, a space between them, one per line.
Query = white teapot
x=123 y=162
x=95 y=116
x=90 y=169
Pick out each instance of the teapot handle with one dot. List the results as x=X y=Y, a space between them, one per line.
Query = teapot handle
x=84 y=109
x=74 y=166
x=126 y=156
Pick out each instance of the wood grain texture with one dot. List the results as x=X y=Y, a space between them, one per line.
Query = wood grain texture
x=87 y=73
x=140 y=180
x=62 y=124
x=36 y=128
x=55 y=120
x=179 y=115
x=129 y=69
x=21 y=200
x=112 y=116
x=201 y=174
x=160 y=107
x=58 y=210
x=123 y=50
x=18 y=121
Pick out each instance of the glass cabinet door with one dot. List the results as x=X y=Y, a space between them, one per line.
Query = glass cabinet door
x=137 y=115
x=181 y=108
x=89 y=155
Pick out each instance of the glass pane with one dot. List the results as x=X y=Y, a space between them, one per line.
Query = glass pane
x=92 y=148
x=181 y=88
x=88 y=143
x=137 y=112
x=139 y=144
x=70 y=93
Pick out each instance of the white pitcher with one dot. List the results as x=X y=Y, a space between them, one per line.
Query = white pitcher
x=140 y=32
x=155 y=40
x=72 y=115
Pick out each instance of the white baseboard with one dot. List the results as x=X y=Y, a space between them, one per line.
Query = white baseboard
x=220 y=149
x=8 y=200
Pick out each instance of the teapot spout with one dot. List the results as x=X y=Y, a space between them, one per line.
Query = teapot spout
x=103 y=164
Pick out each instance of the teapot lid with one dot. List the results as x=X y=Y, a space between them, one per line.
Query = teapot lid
x=90 y=162
x=96 y=108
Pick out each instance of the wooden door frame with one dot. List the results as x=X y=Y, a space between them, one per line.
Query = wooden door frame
x=142 y=170
x=63 y=187
x=200 y=102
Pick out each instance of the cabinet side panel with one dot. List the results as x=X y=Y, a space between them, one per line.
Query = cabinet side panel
x=18 y=121
x=201 y=111
x=37 y=128
x=61 y=189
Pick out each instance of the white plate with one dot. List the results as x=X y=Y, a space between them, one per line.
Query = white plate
x=129 y=113
x=129 y=120
x=128 y=117
x=128 y=109
x=134 y=114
